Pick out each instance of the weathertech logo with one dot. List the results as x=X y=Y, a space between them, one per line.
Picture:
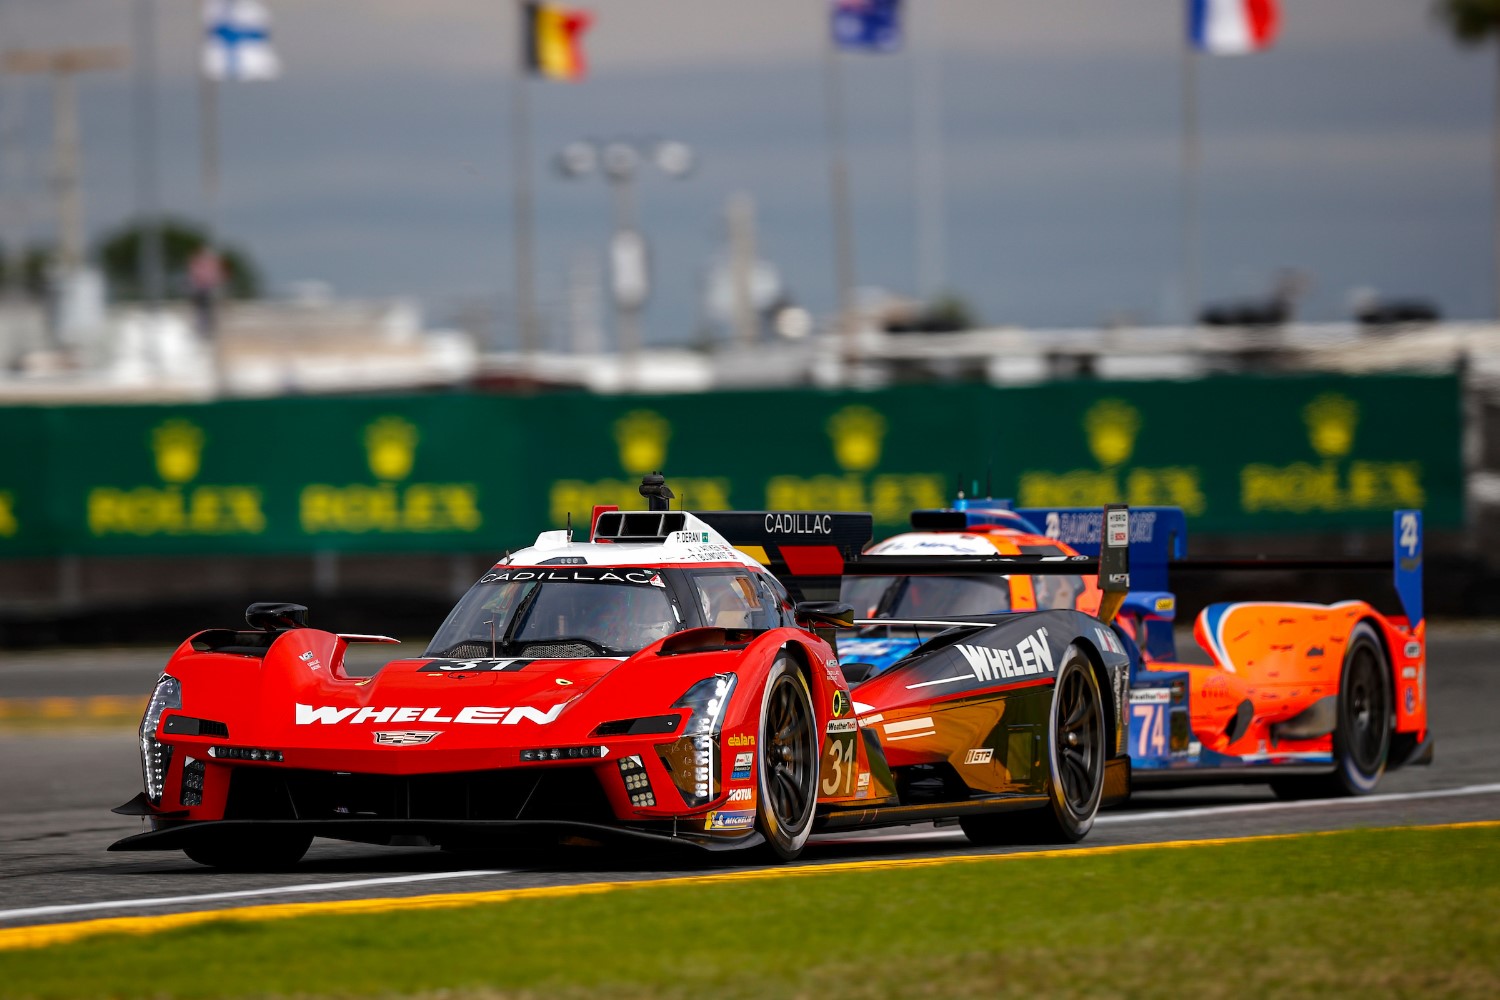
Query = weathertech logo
x=404 y=738
x=1031 y=656
x=474 y=715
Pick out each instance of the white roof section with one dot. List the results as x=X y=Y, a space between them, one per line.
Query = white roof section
x=935 y=543
x=695 y=543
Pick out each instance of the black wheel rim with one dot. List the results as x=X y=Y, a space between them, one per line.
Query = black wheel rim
x=1367 y=711
x=1080 y=730
x=789 y=754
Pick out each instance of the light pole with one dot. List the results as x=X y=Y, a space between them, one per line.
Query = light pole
x=619 y=162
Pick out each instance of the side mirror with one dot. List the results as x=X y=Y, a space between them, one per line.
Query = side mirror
x=273 y=616
x=825 y=614
x=857 y=672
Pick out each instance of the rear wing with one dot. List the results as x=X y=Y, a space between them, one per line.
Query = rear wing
x=1405 y=563
x=1158 y=535
x=813 y=556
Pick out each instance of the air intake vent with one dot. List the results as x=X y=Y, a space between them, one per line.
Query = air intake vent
x=184 y=725
x=939 y=520
x=560 y=650
x=639 y=526
x=470 y=650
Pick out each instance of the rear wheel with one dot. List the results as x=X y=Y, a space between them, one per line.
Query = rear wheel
x=1075 y=757
x=1362 y=738
x=788 y=779
x=239 y=851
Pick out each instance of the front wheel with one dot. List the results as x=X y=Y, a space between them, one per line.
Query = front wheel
x=239 y=851
x=1075 y=758
x=788 y=782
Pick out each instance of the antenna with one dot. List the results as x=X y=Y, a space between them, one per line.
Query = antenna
x=570 y=527
x=959 y=479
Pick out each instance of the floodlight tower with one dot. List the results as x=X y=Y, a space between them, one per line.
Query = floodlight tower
x=64 y=65
x=619 y=161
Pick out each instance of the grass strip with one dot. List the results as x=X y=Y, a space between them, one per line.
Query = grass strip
x=1411 y=911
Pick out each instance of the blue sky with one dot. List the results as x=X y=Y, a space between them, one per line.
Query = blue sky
x=1359 y=150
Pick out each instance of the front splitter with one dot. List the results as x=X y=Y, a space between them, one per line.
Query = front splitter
x=464 y=833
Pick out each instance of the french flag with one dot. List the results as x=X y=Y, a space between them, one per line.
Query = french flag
x=1232 y=27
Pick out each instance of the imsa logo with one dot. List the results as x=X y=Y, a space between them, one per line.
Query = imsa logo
x=404 y=738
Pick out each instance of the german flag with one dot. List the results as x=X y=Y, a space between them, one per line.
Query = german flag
x=553 y=41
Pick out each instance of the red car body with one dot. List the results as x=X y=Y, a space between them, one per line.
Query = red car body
x=565 y=716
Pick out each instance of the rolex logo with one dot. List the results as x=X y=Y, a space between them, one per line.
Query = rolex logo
x=1112 y=425
x=857 y=433
x=1331 y=422
x=642 y=437
x=391 y=447
x=178 y=445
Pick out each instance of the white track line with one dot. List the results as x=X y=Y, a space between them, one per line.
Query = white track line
x=41 y=911
x=1108 y=819
x=1255 y=807
x=1172 y=814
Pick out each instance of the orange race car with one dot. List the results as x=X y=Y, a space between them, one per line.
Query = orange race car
x=1314 y=699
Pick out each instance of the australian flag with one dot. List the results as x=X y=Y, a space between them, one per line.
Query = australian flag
x=867 y=25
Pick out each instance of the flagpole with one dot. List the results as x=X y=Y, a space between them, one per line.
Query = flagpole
x=928 y=143
x=523 y=221
x=208 y=107
x=148 y=210
x=1190 y=168
x=838 y=182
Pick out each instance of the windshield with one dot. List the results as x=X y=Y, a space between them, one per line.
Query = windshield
x=588 y=611
x=1053 y=591
x=864 y=593
x=927 y=596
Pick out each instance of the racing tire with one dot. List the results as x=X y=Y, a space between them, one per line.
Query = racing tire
x=1076 y=734
x=787 y=792
x=1365 y=730
x=268 y=851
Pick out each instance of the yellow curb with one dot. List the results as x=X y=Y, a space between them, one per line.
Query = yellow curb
x=62 y=709
x=44 y=935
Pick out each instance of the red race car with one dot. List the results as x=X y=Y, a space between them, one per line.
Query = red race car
x=654 y=682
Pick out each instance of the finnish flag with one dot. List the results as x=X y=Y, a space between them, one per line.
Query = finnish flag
x=237 y=41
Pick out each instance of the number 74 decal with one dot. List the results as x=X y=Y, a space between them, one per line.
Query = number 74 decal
x=1148 y=725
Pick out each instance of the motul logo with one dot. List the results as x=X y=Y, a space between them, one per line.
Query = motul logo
x=475 y=715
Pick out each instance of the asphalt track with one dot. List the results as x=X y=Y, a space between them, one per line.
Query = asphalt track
x=58 y=784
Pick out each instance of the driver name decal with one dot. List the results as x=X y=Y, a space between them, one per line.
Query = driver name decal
x=477 y=715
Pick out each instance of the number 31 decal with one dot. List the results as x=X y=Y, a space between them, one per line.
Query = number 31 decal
x=840 y=765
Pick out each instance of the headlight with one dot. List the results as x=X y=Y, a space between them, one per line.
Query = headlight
x=156 y=756
x=693 y=760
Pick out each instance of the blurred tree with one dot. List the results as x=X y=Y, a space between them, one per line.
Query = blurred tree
x=1472 y=23
x=951 y=312
x=119 y=250
x=948 y=313
x=27 y=274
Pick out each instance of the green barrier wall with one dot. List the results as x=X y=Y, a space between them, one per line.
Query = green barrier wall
x=468 y=472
